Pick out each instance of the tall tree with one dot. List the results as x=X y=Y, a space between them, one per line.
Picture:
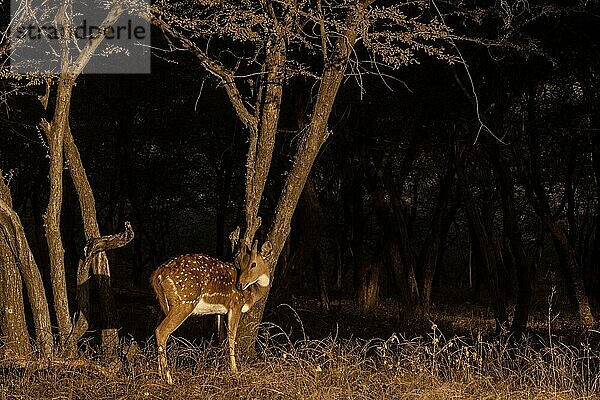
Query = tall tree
x=278 y=41
x=61 y=147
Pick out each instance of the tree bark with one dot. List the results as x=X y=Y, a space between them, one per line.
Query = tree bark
x=94 y=248
x=262 y=137
x=13 y=327
x=99 y=265
x=55 y=134
x=308 y=148
x=14 y=234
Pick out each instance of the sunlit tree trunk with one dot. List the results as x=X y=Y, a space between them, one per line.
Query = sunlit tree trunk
x=60 y=142
x=13 y=328
x=308 y=147
x=55 y=134
x=99 y=266
x=13 y=236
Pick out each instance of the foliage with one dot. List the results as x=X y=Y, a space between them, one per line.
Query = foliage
x=237 y=33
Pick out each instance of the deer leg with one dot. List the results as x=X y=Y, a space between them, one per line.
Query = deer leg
x=233 y=320
x=221 y=334
x=175 y=317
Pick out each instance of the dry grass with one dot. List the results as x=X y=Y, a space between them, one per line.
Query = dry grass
x=430 y=367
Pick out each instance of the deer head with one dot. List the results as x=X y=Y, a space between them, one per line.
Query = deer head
x=253 y=265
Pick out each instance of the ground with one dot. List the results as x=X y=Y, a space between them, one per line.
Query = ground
x=305 y=354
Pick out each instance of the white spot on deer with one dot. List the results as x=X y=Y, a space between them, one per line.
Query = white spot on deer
x=245 y=308
x=204 y=308
x=263 y=280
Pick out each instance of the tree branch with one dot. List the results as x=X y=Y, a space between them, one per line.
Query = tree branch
x=213 y=67
x=94 y=249
x=92 y=44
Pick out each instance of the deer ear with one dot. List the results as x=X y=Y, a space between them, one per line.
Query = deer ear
x=265 y=249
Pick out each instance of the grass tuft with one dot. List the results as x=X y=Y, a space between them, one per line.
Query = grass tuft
x=430 y=366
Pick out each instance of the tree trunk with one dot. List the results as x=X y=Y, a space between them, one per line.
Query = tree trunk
x=512 y=235
x=430 y=251
x=13 y=327
x=483 y=244
x=99 y=266
x=55 y=134
x=368 y=289
x=308 y=148
x=538 y=198
x=14 y=235
x=321 y=280
x=262 y=137
x=571 y=272
x=94 y=248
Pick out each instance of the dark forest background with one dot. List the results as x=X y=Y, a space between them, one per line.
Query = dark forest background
x=412 y=212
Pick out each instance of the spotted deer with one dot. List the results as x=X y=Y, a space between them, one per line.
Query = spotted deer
x=201 y=285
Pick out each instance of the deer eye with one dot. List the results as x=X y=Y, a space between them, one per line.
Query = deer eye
x=253 y=264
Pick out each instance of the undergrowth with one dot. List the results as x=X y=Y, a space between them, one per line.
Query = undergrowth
x=430 y=366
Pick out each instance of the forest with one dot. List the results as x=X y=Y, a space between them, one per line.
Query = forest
x=417 y=181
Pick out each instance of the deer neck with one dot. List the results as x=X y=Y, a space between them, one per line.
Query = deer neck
x=255 y=293
x=258 y=291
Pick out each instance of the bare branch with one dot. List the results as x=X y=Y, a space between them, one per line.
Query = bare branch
x=92 y=44
x=213 y=67
x=44 y=99
x=111 y=242
x=323 y=32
